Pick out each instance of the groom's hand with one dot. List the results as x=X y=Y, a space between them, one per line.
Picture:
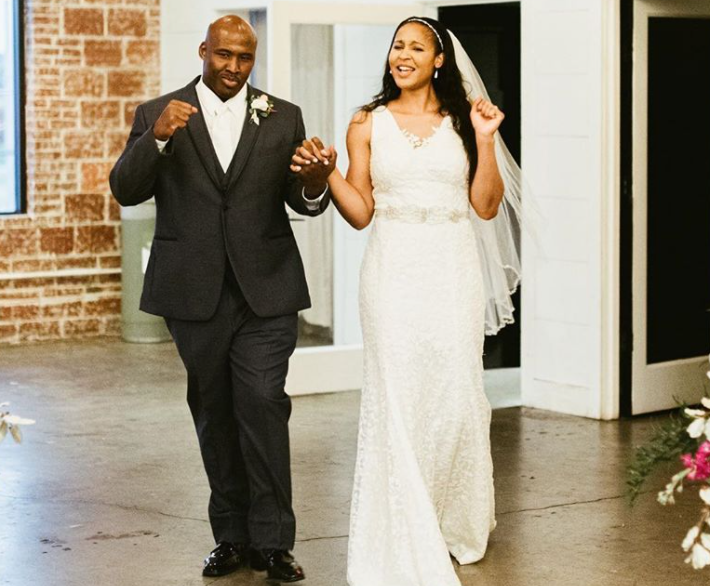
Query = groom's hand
x=313 y=163
x=175 y=116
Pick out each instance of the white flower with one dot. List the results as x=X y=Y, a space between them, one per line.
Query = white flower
x=706 y=400
x=16 y=420
x=695 y=413
x=260 y=103
x=665 y=498
x=260 y=107
x=705 y=494
x=705 y=540
x=697 y=428
x=700 y=557
x=690 y=538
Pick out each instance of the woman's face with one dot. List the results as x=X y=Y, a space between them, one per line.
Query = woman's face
x=413 y=57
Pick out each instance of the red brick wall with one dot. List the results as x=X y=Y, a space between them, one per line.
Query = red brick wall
x=88 y=63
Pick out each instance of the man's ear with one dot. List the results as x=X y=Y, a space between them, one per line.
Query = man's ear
x=202 y=50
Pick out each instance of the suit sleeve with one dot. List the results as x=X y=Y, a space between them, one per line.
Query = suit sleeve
x=294 y=188
x=134 y=175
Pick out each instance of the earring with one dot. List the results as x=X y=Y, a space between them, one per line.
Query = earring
x=436 y=73
x=390 y=72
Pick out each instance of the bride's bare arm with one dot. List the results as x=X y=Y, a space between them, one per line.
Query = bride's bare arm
x=487 y=186
x=352 y=195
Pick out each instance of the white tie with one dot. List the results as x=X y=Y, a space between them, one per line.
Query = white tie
x=223 y=136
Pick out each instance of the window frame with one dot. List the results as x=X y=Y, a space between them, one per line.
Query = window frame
x=20 y=103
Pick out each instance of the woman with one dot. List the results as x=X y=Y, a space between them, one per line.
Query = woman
x=422 y=156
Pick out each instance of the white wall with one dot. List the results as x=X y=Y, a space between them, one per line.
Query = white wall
x=569 y=361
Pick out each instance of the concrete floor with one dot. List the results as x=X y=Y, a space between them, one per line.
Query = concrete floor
x=108 y=488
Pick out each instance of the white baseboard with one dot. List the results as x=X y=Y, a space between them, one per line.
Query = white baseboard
x=328 y=369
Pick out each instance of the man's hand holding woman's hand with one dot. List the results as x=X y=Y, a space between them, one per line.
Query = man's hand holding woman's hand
x=313 y=163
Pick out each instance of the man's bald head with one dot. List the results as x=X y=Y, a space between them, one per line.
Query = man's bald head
x=230 y=24
x=228 y=54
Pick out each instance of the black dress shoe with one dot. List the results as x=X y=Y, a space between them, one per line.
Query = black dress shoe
x=225 y=559
x=279 y=565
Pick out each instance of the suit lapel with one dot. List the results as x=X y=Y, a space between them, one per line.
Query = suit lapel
x=200 y=136
x=250 y=133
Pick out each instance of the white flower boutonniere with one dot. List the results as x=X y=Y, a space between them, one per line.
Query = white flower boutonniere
x=260 y=106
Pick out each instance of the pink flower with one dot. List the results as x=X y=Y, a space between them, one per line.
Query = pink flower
x=700 y=465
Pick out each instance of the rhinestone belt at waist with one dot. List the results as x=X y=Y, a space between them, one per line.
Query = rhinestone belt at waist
x=422 y=215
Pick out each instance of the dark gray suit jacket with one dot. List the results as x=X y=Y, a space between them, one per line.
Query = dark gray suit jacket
x=207 y=218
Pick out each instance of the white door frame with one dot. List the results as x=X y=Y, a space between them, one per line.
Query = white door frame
x=608 y=402
x=650 y=383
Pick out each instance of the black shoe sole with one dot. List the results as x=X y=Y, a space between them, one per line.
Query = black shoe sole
x=218 y=573
x=284 y=580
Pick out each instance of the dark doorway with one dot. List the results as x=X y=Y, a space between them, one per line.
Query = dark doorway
x=678 y=245
x=490 y=34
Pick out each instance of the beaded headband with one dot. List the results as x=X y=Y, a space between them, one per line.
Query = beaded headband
x=422 y=21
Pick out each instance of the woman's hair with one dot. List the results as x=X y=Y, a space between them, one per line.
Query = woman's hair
x=448 y=87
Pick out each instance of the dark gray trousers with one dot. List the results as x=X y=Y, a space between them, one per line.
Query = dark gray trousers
x=236 y=367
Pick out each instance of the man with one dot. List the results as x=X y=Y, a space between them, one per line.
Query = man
x=226 y=274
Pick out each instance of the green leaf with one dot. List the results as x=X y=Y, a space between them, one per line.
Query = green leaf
x=667 y=445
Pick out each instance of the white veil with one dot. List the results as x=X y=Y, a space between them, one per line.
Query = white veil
x=498 y=238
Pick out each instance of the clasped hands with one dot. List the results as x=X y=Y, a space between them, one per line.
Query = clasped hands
x=313 y=163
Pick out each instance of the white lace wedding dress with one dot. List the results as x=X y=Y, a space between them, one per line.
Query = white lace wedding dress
x=424 y=477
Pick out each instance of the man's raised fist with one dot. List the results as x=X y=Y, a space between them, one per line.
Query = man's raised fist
x=175 y=115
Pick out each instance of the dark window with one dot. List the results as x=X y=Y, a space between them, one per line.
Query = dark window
x=12 y=176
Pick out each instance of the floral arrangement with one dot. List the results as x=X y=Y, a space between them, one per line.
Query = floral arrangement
x=11 y=423
x=260 y=106
x=686 y=437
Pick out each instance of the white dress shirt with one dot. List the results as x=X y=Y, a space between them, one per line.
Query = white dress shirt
x=225 y=122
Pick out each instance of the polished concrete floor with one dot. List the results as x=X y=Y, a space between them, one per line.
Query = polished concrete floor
x=108 y=488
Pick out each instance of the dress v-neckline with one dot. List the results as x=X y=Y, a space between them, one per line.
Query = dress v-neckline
x=413 y=139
